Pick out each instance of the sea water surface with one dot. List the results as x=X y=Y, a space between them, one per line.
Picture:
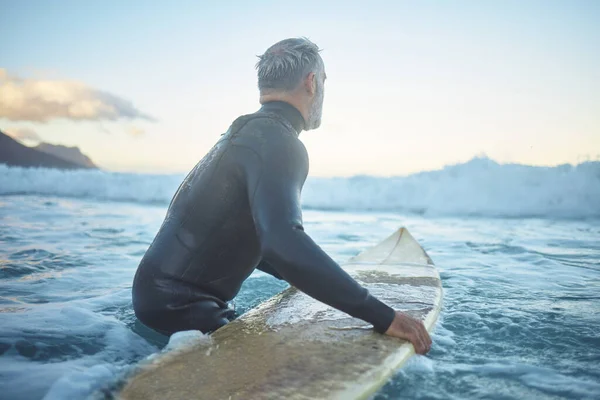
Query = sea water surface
x=518 y=250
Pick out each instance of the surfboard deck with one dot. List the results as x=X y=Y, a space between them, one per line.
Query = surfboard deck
x=294 y=347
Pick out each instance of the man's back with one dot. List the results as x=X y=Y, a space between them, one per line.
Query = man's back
x=208 y=241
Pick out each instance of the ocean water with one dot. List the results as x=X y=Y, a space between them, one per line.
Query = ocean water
x=518 y=250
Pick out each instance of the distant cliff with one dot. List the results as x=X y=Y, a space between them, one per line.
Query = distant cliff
x=72 y=154
x=45 y=155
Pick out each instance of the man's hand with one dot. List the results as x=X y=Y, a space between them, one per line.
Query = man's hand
x=413 y=330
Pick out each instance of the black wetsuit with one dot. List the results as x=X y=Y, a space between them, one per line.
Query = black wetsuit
x=237 y=210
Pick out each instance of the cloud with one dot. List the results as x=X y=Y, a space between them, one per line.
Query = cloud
x=44 y=100
x=23 y=134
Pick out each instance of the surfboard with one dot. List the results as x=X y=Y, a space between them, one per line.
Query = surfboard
x=294 y=347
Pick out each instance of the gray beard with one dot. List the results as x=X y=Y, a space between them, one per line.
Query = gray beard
x=316 y=109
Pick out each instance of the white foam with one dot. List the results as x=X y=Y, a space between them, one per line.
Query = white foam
x=478 y=187
x=95 y=349
x=186 y=339
x=80 y=384
x=93 y=184
x=421 y=364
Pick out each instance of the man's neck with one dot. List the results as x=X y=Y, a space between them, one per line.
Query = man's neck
x=292 y=100
x=287 y=111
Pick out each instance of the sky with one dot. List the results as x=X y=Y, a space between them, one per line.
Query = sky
x=149 y=86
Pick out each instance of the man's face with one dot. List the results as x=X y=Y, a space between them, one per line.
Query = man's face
x=316 y=108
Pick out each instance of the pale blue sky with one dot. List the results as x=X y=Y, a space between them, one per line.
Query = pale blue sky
x=411 y=85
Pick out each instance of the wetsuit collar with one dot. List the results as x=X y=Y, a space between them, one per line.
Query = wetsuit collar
x=287 y=111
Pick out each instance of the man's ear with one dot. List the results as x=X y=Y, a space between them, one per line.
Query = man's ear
x=310 y=83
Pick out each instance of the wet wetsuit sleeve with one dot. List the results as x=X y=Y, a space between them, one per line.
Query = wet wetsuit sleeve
x=274 y=186
x=265 y=267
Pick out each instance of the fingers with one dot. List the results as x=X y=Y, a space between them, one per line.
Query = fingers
x=411 y=329
x=416 y=342
x=425 y=338
x=419 y=344
x=421 y=339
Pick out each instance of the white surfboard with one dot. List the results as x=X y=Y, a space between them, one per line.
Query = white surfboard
x=294 y=347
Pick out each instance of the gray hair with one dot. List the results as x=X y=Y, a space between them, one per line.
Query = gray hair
x=286 y=63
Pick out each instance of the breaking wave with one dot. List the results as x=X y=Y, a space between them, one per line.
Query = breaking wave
x=479 y=187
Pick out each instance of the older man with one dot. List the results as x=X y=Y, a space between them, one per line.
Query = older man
x=239 y=209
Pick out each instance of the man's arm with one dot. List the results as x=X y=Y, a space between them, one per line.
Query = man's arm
x=274 y=186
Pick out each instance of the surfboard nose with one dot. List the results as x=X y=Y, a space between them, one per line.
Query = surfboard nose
x=400 y=247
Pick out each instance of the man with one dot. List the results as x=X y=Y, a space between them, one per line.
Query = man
x=239 y=209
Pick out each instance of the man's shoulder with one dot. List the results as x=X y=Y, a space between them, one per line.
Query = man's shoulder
x=269 y=135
